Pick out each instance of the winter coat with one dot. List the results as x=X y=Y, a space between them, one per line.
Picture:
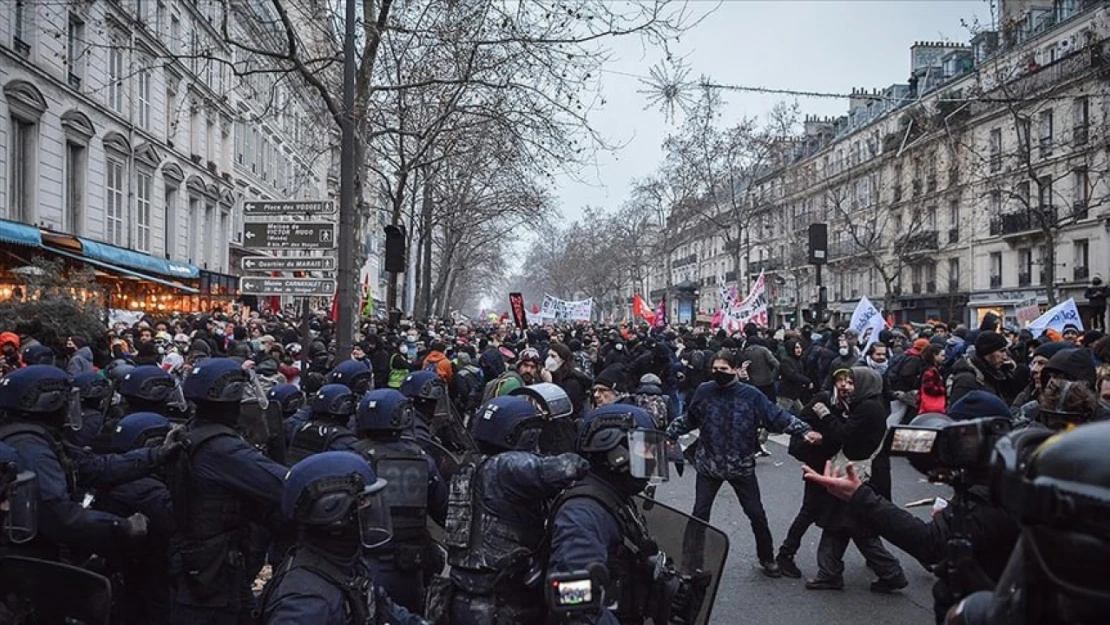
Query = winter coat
x=974 y=374
x=1096 y=296
x=905 y=371
x=794 y=383
x=80 y=362
x=443 y=367
x=932 y=392
x=762 y=365
x=647 y=393
x=729 y=418
x=575 y=384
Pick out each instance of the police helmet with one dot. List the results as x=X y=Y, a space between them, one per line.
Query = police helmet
x=423 y=385
x=117 y=370
x=36 y=389
x=147 y=383
x=216 y=380
x=38 y=355
x=311 y=382
x=352 y=374
x=288 y=396
x=139 y=429
x=334 y=400
x=93 y=387
x=19 y=490
x=328 y=489
x=623 y=439
x=550 y=399
x=1061 y=494
x=507 y=423
x=384 y=410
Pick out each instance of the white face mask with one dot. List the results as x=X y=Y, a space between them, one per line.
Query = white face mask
x=843 y=351
x=552 y=363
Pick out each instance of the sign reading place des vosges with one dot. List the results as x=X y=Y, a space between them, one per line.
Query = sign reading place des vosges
x=286 y=208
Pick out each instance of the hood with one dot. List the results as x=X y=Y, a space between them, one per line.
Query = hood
x=649 y=389
x=869 y=384
x=9 y=337
x=84 y=352
x=953 y=340
x=990 y=322
x=492 y=363
x=1076 y=364
x=434 y=357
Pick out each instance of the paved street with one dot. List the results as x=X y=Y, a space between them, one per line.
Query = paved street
x=747 y=597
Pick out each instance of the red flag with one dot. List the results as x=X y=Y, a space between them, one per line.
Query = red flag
x=334 y=309
x=640 y=309
x=717 y=318
x=535 y=309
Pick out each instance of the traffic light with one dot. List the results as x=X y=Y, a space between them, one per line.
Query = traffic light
x=395 y=248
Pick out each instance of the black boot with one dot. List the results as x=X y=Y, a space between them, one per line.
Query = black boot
x=787 y=566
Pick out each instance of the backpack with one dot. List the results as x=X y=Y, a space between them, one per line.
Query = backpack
x=654 y=405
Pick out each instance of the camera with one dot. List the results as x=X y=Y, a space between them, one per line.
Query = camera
x=940 y=447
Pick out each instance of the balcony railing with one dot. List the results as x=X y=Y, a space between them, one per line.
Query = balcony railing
x=730 y=276
x=1024 y=279
x=842 y=249
x=1082 y=273
x=768 y=264
x=1016 y=223
x=996 y=282
x=924 y=240
x=685 y=260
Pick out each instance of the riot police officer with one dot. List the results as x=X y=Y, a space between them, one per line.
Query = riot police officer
x=414 y=492
x=354 y=375
x=145 y=569
x=597 y=531
x=1057 y=485
x=284 y=401
x=288 y=397
x=332 y=408
x=496 y=515
x=18 y=521
x=94 y=390
x=219 y=485
x=145 y=388
x=426 y=390
x=334 y=498
x=38 y=402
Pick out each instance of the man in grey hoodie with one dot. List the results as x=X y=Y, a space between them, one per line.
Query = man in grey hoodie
x=80 y=356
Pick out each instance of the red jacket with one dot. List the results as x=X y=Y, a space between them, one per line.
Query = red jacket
x=932 y=392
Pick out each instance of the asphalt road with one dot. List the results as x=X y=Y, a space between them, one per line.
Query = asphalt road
x=747 y=597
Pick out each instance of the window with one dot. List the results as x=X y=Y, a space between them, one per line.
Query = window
x=996 y=203
x=915 y=282
x=144 y=188
x=169 y=224
x=1081 y=248
x=1046 y=133
x=1025 y=266
x=996 y=269
x=996 y=150
x=931 y=278
x=953 y=275
x=160 y=19
x=73 y=219
x=1044 y=193
x=75 y=45
x=1081 y=193
x=115 y=77
x=1021 y=196
x=171 y=107
x=931 y=218
x=175 y=34
x=210 y=235
x=1024 y=127
x=114 y=188
x=953 y=221
x=192 y=236
x=140 y=10
x=21 y=26
x=21 y=183
x=145 y=79
x=1081 y=112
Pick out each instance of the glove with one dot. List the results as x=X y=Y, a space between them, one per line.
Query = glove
x=133 y=528
x=166 y=452
x=573 y=466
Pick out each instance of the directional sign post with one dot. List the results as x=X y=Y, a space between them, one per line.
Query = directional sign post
x=286 y=286
x=287 y=208
x=267 y=263
x=292 y=235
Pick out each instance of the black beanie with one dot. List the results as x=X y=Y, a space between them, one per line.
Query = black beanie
x=988 y=343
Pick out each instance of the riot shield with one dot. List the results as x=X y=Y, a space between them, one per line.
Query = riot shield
x=447 y=426
x=696 y=549
x=30 y=583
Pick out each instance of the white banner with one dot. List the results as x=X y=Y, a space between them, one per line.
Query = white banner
x=1060 y=315
x=562 y=310
x=534 y=319
x=129 y=317
x=752 y=309
x=868 y=322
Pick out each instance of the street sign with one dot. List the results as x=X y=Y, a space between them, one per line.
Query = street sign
x=268 y=208
x=293 y=235
x=311 y=263
x=286 y=286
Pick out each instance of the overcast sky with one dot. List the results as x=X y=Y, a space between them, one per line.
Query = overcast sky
x=822 y=45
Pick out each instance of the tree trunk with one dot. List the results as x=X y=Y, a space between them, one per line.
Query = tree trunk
x=1048 y=264
x=426 y=228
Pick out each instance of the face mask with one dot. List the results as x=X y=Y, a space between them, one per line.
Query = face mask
x=877 y=366
x=552 y=363
x=722 y=378
x=843 y=351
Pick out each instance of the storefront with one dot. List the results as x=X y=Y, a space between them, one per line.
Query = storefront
x=1005 y=304
x=121 y=278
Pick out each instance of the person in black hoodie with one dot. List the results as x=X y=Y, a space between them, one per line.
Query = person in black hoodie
x=794 y=386
x=855 y=425
x=989 y=369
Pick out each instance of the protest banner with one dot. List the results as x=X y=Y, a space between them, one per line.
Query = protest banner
x=1060 y=315
x=560 y=310
x=867 y=321
x=752 y=309
x=516 y=304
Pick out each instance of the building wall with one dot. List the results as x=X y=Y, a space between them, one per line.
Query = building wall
x=152 y=82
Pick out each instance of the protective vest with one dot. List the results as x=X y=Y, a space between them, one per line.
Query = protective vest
x=404 y=466
x=69 y=467
x=359 y=601
x=480 y=541
x=212 y=523
x=312 y=438
x=630 y=572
